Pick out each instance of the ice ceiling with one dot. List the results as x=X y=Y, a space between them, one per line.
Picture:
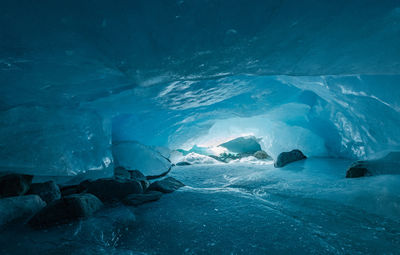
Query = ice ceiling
x=321 y=76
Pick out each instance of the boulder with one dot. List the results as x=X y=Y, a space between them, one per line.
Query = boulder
x=65 y=210
x=71 y=189
x=21 y=207
x=288 y=157
x=145 y=184
x=261 y=155
x=48 y=191
x=138 y=176
x=109 y=190
x=123 y=174
x=183 y=163
x=12 y=184
x=138 y=199
x=166 y=185
x=356 y=170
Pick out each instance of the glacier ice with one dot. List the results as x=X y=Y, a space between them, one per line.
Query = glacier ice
x=89 y=85
x=389 y=164
x=242 y=145
x=136 y=156
x=338 y=116
x=54 y=142
x=335 y=69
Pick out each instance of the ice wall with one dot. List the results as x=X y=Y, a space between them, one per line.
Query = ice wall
x=135 y=156
x=53 y=142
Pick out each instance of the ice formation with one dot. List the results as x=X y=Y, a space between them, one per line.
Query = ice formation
x=313 y=76
x=133 y=155
x=90 y=85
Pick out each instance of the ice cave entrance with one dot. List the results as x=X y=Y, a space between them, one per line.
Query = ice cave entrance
x=240 y=149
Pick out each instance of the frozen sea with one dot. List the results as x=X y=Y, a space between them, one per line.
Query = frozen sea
x=307 y=207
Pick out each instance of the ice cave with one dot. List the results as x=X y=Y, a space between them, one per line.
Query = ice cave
x=199 y=127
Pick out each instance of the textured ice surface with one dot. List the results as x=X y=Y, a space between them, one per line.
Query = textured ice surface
x=45 y=141
x=112 y=40
x=340 y=116
x=307 y=207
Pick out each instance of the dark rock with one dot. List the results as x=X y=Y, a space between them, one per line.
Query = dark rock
x=138 y=176
x=71 y=189
x=14 y=184
x=288 y=157
x=109 y=190
x=21 y=207
x=357 y=169
x=261 y=155
x=138 y=199
x=145 y=184
x=65 y=210
x=48 y=191
x=183 y=163
x=123 y=174
x=166 y=185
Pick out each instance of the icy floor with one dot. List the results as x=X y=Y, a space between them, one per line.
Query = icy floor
x=307 y=207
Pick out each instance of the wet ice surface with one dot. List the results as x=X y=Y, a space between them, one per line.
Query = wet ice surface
x=307 y=207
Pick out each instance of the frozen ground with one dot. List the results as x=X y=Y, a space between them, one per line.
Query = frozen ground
x=307 y=207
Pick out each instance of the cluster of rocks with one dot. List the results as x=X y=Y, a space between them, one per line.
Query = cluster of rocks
x=282 y=160
x=228 y=157
x=47 y=204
